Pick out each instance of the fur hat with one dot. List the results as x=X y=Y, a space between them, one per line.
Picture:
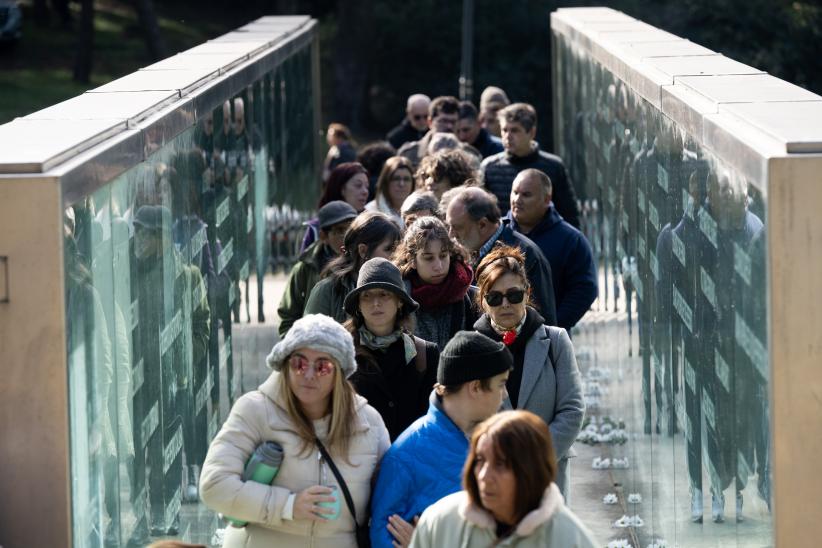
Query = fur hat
x=317 y=332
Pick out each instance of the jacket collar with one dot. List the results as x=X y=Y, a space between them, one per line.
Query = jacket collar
x=536 y=348
x=550 y=504
x=270 y=388
x=318 y=254
x=551 y=218
x=437 y=411
x=529 y=158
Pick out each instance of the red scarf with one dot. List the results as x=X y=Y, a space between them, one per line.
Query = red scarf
x=452 y=289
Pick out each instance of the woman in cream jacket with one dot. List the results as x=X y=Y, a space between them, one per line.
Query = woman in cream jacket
x=307 y=395
x=509 y=497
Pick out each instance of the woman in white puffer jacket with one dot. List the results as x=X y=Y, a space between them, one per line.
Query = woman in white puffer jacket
x=307 y=395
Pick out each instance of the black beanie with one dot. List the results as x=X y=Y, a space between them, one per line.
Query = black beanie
x=471 y=356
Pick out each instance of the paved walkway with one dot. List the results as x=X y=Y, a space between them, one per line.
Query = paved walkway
x=656 y=463
x=657 y=468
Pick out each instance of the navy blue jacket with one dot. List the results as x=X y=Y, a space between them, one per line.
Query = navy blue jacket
x=573 y=269
x=538 y=270
x=487 y=144
x=421 y=467
x=500 y=170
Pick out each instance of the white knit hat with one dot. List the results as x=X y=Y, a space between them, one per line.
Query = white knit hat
x=317 y=332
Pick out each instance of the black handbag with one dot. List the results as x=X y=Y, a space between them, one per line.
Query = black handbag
x=361 y=532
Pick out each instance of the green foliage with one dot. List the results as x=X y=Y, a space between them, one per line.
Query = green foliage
x=36 y=73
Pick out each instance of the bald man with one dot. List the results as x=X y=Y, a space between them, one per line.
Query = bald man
x=415 y=123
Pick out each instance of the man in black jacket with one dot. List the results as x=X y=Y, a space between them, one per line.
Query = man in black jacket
x=474 y=219
x=415 y=123
x=471 y=132
x=518 y=123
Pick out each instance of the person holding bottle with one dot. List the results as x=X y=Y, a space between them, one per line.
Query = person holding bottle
x=305 y=405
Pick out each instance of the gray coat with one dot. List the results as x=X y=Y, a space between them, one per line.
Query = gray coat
x=554 y=392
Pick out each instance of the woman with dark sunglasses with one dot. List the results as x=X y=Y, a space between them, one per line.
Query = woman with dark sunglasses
x=306 y=398
x=545 y=379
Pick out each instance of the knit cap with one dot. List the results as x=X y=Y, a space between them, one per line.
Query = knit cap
x=317 y=332
x=471 y=356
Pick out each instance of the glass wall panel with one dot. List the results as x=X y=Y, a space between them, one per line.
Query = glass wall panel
x=158 y=266
x=678 y=354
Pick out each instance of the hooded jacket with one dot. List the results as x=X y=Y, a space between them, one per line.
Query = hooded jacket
x=327 y=298
x=573 y=270
x=261 y=416
x=455 y=521
x=422 y=466
x=304 y=276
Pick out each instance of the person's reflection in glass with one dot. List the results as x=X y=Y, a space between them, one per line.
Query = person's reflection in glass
x=90 y=377
x=239 y=160
x=190 y=234
x=728 y=429
x=686 y=240
x=166 y=288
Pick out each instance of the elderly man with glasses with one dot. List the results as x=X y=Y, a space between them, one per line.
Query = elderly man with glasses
x=415 y=124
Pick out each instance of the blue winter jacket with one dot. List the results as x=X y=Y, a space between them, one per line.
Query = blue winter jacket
x=423 y=465
x=573 y=270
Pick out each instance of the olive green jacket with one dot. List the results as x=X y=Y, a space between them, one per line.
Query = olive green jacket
x=304 y=276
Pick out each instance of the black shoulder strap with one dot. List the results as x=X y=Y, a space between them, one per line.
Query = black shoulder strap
x=421 y=360
x=348 y=500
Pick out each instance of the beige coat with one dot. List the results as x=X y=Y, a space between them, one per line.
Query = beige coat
x=454 y=522
x=260 y=416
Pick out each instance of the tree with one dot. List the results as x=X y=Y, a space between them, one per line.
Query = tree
x=85 y=43
x=148 y=21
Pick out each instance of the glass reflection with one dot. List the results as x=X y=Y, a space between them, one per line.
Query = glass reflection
x=158 y=267
x=681 y=357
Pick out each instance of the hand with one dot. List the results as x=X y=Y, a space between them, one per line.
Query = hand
x=306 y=503
x=401 y=530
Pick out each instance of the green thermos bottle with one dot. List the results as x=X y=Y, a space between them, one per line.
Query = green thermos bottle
x=262 y=467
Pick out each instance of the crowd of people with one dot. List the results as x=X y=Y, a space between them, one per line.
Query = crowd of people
x=425 y=390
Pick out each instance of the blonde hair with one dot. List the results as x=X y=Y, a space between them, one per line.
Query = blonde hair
x=342 y=414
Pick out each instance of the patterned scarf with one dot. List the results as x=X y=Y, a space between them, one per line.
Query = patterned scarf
x=382 y=342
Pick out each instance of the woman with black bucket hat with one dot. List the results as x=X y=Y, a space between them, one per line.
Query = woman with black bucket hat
x=396 y=371
x=545 y=379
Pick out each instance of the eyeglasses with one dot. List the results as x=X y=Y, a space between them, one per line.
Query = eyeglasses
x=514 y=296
x=299 y=364
x=419 y=116
x=402 y=180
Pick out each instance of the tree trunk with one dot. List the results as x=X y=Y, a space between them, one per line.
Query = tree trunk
x=85 y=44
x=148 y=21
x=41 y=13
x=352 y=61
